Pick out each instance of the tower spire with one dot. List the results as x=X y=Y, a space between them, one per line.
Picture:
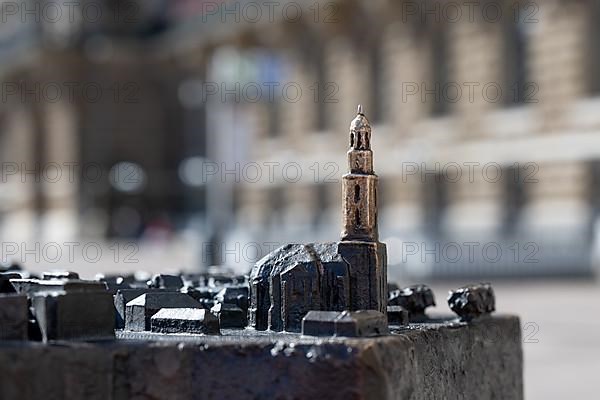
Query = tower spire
x=359 y=185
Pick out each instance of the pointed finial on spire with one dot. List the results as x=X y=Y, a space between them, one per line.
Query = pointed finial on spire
x=360 y=110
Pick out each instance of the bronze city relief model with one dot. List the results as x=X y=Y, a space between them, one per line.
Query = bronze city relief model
x=316 y=320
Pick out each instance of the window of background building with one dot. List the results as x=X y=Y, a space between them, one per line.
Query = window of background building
x=515 y=197
x=435 y=202
x=594 y=187
x=381 y=193
x=322 y=204
x=236 y=199
x=320 y=89
x=439 y=72
x=593 y=38
x=377 y=82
x=276 y=207
x=274 y=117
x=272 y=70
x=516 y=89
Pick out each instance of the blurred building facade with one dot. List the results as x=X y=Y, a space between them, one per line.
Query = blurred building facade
x=485 y=126
x=93 y=131
x=485 y=135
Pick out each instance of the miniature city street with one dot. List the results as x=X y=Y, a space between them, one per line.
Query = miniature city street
x=318 y=320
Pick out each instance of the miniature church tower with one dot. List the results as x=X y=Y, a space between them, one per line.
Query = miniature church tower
x=359 y=245
x=336 y=276
x=359 y=185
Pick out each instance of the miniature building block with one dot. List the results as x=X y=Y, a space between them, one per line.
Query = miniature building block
x=237 y=295
x=214 y=277
x=346 y=323
x=296 y=278
x=229 y=315
x=414 y=299
x=286 y=284
x=139 y=310
x=472 y=301
x=223 y=280
x=320 y=323
x=363 y=323
x=31 y=287
x=124 y=296
x=164 y=281
x=69 y=308
x=13 y=317
x=59 y=275
x=203 y=292
x=185 y=320
x=10 y=267
x=5 y=285
x=207 y=303
x=75 y=315
x=397 y=316
x=115 y=282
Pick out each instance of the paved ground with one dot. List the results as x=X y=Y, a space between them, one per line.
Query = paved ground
x=561 y=335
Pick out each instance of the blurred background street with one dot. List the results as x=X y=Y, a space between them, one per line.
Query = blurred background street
x=170 y=135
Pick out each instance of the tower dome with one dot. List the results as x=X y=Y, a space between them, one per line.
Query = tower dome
x=360 y=131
